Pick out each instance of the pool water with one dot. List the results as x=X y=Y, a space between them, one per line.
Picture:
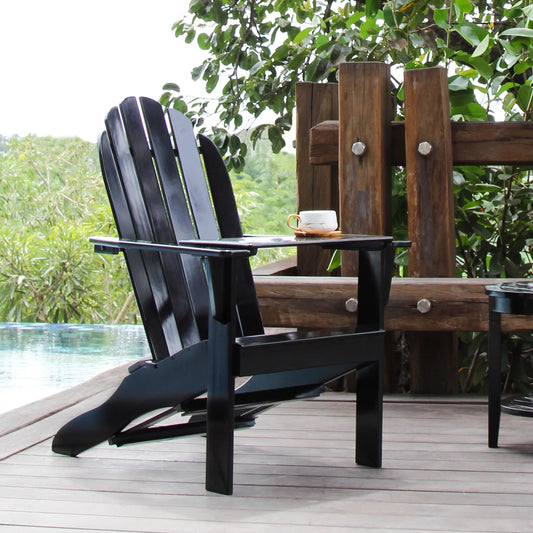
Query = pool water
x=37 y=360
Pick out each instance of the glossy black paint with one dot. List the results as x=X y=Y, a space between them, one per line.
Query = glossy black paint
x=506 y=298
x=188 y=263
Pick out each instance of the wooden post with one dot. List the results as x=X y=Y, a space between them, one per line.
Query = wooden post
x=364 y=155
x=429 y=165
x=365 y=114
x=317 y=186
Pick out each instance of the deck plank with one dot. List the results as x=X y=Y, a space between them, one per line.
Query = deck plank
x=294 y=472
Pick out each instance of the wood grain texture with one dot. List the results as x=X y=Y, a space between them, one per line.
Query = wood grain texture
x=430 y=201
x=431 y=221
x=473 y=143
x=438 y=476
x=364 y=181
x=317 y=186
x=457 y=304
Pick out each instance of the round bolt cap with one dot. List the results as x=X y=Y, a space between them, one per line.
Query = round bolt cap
x=351 y=305
x=425 y=148
x=359 y=148
x=423 y=306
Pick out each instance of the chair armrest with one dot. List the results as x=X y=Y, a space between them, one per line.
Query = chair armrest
x=113 y=245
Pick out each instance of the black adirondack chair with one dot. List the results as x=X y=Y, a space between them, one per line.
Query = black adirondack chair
x=189 y=266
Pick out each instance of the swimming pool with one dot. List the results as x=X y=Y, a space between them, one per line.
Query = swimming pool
x=37 y=360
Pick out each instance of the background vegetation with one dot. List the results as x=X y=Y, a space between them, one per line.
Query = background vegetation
x=256 y=50
x=52 y=199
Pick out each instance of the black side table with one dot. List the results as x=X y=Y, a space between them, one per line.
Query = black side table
x=506 y=298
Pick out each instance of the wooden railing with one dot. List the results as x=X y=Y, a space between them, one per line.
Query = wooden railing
x=346 y=145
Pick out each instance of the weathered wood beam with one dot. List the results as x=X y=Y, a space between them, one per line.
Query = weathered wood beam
x=431 y=223
x=365 y=177
x=456 y=304
x=318 y=187
x=473 y=143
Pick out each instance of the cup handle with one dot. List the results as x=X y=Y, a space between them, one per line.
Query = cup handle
x=295 y=228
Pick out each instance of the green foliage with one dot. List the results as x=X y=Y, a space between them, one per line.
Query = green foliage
x=256 y=50
x=494 y=222
x=265 y=192
x=51 y=200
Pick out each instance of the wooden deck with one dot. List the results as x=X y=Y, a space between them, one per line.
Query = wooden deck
x=294 y=472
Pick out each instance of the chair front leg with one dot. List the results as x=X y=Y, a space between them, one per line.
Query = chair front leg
x=372 y=295
x=221 y=381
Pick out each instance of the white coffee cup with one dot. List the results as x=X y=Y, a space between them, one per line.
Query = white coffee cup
x=316 y=221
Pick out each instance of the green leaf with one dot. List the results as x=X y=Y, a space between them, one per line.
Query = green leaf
x=388 y=17
x=321 y=41
x=197 y=72
x=356 y=17
x=471 y=32
x=484 y=68
x=302 y=35
x=234 y=144
x=257 y=67
x=204 y=41
x=335 y=261
x=171 y=87
x=372 y=7
x=525 y=95
x=481 y=47
x=465 y=6
x=521 y=67
x=211 y=83
x=189 y=38
x=528 y=12
x=440 y=16
x=195 y=6
x=457 y=83
x=518 y=32
x=180 y=105
x=276 y=138
x=165 y=98
x=368 y=27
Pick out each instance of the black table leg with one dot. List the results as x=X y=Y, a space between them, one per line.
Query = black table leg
x=494 y=358
x=369 y=415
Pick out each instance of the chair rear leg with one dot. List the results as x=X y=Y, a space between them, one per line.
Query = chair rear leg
x=148 y=388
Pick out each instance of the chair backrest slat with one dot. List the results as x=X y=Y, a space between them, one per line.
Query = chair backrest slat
x=193 y=176
x=148 y=175
x=134 y=260
x=142 y=215
x=156 y=182
x=177 y=205
x=230 y=226
x=221 y=189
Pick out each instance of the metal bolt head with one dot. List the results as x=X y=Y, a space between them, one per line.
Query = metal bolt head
x=423 y=306
x=351 y=305
x=425 y=148
x=358 y=148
